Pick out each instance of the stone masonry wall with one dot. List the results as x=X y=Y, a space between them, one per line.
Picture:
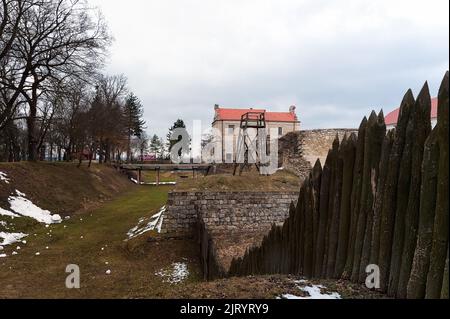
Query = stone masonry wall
x=299 y=151
x=226 y=211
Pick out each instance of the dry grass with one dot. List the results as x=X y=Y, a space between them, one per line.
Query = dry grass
x=234 y=245
x=249 y=181
x=103 y=223
x=133 y=264
x=62 y=188
x=269 y=287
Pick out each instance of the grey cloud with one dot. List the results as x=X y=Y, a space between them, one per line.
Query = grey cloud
x=335 y=61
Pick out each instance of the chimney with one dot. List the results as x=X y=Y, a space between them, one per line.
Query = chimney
x=216 y=107
x=292 y=109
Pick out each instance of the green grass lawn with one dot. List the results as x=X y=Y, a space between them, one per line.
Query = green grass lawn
x=80 y=241
x=150 y=177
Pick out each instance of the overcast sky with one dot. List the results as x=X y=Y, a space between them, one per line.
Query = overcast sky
x=334 y=60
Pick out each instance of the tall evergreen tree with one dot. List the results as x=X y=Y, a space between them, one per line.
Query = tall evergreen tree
x=134 y=124
x=156 y=146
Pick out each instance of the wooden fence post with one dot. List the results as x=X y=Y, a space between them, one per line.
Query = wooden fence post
x=440 y=236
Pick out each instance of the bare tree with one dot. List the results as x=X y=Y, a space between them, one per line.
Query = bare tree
x=11 y=19
x=57 y=40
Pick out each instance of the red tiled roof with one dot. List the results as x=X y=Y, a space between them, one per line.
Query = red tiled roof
x=392 y=118
x=233 y=114
x=281 y=117
x=236 y=115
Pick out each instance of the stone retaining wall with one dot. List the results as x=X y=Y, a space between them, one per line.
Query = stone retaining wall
x=226 y=211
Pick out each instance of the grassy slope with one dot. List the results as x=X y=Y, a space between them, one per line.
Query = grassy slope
x=132 y=265
x=61 y=188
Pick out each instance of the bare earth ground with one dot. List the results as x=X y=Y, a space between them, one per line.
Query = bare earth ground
x=229 y=246
x=94 y=239
x=269 y=287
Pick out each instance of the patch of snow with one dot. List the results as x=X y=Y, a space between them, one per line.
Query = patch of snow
x=160 y=183
x=108 y=272
x=314 y=292
x=154 y=223
x=38 y=254
x=25 y=207
x=177 y=273
x=19 y=193
x=56 y=219
x=4 y=212
x=4 y=178
x=10 y=238
x=3 y=255
x=14 y=253
x=153 y=184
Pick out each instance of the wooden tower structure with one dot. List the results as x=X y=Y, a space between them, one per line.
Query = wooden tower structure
x=243 y=155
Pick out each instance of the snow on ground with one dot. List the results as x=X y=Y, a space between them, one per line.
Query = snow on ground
x=21 y=206
x=11 y=238
x=177 y=273
x=4 y=178
x=24 y=207
x=153 y=184
x=314 y=292
x=160 y=183
x=145 y=225
x=4 y=212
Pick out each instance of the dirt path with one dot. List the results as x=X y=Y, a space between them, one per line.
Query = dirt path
x=94 y=240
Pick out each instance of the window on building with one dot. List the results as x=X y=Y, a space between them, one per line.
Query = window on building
x=229 y=158
x=280 y=131
x=231 y=129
